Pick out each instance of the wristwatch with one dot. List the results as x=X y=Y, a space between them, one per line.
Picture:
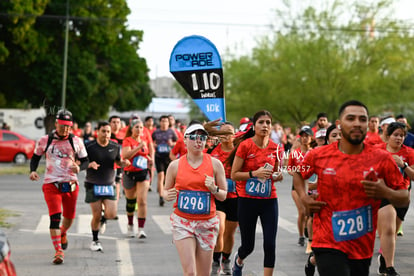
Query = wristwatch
x=216 y=191
x=405 y=166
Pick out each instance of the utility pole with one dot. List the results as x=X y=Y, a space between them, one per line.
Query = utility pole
x=65 y=57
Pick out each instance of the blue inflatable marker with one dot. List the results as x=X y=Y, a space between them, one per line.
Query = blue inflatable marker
x=196 y=64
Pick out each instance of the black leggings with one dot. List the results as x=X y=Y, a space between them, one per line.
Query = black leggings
x=249 y=209
x=334 y=262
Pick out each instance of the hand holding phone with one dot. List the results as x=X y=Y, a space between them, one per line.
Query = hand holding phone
x=371 y=176
x=267 y=166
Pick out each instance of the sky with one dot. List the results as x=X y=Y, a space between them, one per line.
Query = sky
x=227 y=24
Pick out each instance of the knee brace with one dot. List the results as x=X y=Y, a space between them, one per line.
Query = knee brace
x=130 y=205
x=55 y=221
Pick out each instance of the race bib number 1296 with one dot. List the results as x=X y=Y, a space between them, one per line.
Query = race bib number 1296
x=194 y=202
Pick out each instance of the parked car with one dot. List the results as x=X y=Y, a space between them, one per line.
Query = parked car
x=6 y=265
x=15 y=147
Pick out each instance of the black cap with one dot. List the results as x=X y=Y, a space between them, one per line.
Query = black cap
x=64 y=117
x=307 y=130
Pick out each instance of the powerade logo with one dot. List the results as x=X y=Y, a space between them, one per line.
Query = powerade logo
x=196 y=65
x=203 y=59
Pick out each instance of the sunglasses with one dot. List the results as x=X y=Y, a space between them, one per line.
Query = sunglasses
x=194 y=137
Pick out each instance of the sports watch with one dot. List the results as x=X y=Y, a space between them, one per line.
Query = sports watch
x=216 y=191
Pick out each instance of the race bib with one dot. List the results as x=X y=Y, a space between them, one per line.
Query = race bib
x=255 y=187
x=231 y=185
x=163 y=148
x=103 y=190
x=140 y=162
x=194 y=202
x=350 y=225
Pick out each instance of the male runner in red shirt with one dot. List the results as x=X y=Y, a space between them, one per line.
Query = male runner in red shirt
x=346 y=206
x=321 y=122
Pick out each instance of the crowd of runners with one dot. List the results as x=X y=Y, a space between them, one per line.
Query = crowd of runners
x=350 y=182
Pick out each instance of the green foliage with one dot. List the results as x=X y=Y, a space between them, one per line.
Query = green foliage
x=103 y=70
x=319 y=59
x=4 y=215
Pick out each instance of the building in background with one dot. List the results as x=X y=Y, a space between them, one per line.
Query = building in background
x=167 y=101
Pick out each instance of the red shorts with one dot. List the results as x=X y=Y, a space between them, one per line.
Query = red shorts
x=56 y=199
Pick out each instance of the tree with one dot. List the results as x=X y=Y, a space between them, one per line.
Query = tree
x=104 y=69
x=320 y=59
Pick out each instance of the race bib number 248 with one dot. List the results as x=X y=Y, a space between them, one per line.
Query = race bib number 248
x=255 y=187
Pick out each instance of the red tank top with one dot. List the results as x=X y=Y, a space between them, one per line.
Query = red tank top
x=194 y=200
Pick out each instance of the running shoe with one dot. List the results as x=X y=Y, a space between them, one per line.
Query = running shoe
x=64 y=241
x=96 y=246
x=226 y=267
x=161 y=201
x=390 y=271
x=102 y=225
x=130 y=231
x=58 y=258
x=141 y=234
x=237 y=269
x=382 y=267
x=309 y=267
x=301 y=241
x=215 y=269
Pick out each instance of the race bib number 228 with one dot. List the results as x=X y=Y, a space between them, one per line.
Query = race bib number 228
x=352 y=224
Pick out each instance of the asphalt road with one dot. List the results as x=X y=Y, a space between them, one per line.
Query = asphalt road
x=32 y=249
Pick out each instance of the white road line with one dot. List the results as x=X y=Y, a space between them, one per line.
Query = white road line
x=287 y=225
x=83 y=225
x=163 y=223
x=123 y=222
x=73 y=234
x=125 y=267
x=43 y=225
x=283 y=223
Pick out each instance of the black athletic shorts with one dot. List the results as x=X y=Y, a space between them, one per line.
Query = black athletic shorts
x=401 y=212
x=229 y=207
x=129 y=179
x=335 y=262
x=161 y=163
